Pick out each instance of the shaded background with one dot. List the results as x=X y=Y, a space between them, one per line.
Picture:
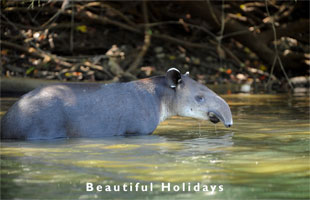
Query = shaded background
x=260 y=43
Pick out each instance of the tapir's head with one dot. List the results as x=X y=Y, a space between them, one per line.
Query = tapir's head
x=193 y=99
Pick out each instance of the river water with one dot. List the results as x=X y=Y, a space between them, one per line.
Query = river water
x=265 y=155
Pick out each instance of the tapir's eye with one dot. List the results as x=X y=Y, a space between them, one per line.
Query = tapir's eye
x=199 y=98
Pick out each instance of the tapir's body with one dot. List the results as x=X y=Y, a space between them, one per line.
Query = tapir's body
x=84 y=110
x=96 y=110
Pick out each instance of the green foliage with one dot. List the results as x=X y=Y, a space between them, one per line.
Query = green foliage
x=30 y=70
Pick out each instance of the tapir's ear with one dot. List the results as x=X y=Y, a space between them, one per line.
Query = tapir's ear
x=173 y=77
x=186 y=74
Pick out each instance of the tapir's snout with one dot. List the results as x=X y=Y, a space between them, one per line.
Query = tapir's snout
x=228 y=125
x=216 y=117
x=220 y=111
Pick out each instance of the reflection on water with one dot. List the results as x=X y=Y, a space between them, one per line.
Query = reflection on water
x=265 y=155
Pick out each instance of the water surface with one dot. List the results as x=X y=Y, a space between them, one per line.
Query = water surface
x=265 y=155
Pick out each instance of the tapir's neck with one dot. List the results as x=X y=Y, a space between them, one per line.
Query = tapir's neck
x=165 y=95
x=166 y=108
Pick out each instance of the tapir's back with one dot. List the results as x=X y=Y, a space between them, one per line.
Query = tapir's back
x=81 y=110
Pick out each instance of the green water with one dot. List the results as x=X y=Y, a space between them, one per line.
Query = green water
x=265 y=155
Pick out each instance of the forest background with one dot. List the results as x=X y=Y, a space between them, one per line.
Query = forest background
x=264 y=44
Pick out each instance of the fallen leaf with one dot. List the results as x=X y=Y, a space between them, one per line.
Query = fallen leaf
x=4 y=52
x=81 y=28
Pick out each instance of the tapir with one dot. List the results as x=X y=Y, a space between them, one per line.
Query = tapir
x=69 y=110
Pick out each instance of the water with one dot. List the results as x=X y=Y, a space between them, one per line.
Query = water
x=265 y=155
